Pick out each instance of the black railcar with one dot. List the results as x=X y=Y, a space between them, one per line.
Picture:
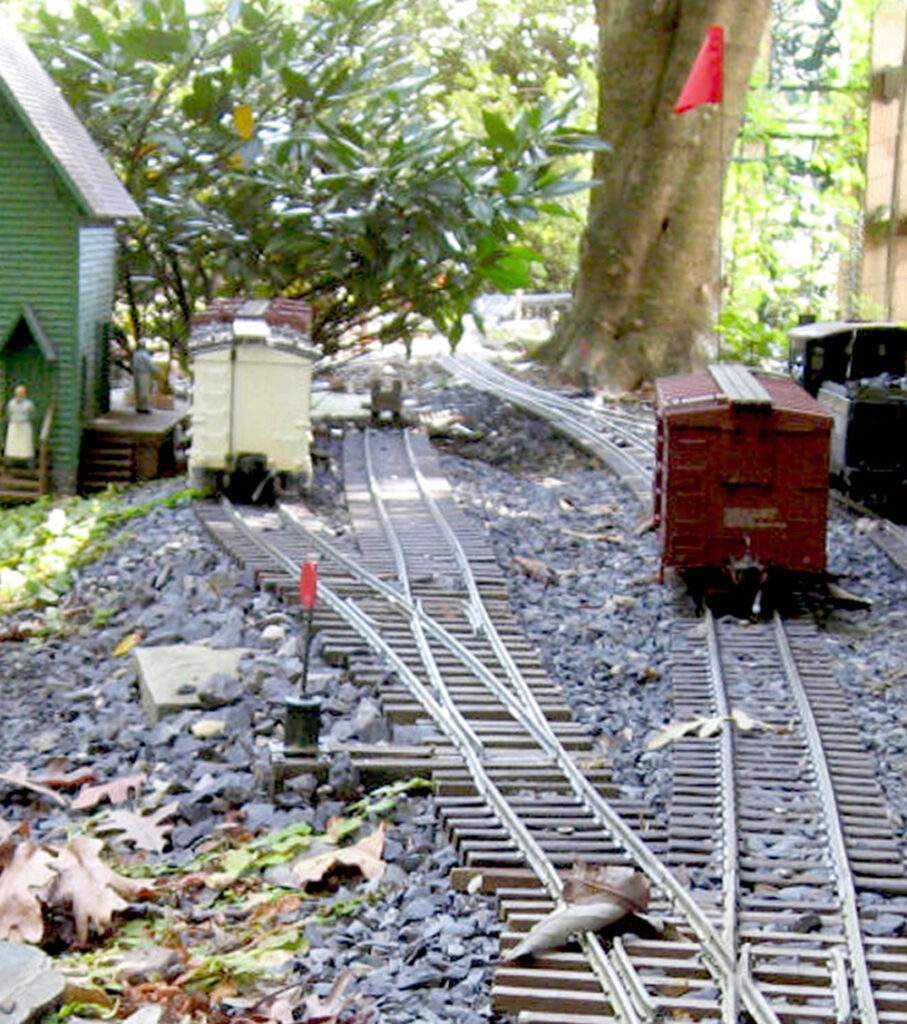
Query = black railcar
x=858 y=373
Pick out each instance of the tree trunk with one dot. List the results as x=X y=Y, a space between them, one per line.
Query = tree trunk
x=646 y=294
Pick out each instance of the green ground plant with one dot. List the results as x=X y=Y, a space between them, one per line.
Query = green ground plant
x=44 y=542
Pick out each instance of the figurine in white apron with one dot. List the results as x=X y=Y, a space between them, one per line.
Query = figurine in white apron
x=20 y=434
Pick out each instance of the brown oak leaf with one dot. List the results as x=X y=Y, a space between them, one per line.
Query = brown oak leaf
x=94 y=889
x=118 y=792
x=364 y=855
x=144 y=830
x=31 y=868
x=597 y=896
x=18 y=775
x=56 y=775
x=536 y=570
x=589 y=883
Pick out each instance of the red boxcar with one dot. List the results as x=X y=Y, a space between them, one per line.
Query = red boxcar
x=741 y=471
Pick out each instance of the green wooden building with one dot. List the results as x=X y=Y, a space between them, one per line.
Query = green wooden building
x=59 y=201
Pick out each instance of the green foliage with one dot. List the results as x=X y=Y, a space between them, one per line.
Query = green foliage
x=266 y=922
x=383 y=800
x=305 y=153
x=42 y=544
x=794 y=191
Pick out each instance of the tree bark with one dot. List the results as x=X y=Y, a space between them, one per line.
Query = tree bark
x=647 y=289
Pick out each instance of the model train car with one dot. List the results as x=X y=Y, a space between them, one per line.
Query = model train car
x=858 y=372
x=741 y=476
x=252 y=375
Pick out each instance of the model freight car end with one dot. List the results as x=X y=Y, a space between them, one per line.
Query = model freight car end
x=741 y=477
x=858 y=373
x=252 y=381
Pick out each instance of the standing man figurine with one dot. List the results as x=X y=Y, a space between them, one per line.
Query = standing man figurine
x=20 y=435
x=141 y=375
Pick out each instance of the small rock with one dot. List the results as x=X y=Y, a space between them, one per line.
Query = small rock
x=208 y=727
x=219 y=689
x=368 y=723
x=343 y=776
x=28 y=983
x=149 y=964
x=885 y=924
x=231 y=631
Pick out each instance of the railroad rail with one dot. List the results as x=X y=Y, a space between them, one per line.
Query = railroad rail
x=812 y=831
x=411 y=595
x=623 y=441
x=808 y=856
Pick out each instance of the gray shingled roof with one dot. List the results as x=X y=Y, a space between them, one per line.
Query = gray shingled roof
x=54 y=125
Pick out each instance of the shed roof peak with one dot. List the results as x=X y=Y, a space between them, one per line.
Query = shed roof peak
x=58 y=131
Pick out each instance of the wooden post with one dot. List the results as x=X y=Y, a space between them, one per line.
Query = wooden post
x=894 y=212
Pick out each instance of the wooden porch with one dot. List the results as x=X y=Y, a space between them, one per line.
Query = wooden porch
x=125 y=447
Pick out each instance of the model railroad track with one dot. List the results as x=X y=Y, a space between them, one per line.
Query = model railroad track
x=778 y=815
x=624 y=441
x=791 y=845
x=514 y=796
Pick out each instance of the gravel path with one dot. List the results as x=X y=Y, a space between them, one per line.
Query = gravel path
x=420 y=952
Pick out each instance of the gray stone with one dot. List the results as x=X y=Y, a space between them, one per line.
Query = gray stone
x=170 y=677
x=368 y=722
x=219 y=689
x=343 y=776
x=28 y=983
x=149 y=964
x=885 y=924
x=230 y=633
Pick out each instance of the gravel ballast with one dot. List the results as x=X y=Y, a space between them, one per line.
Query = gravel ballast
x=601 y=621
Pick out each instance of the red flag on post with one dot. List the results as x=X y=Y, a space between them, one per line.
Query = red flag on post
x=308 y=585
x=705 y=82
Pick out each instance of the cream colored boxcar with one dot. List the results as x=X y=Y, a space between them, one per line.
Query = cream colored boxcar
x=252 y=380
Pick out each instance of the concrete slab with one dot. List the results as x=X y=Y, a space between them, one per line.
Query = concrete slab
x=340 y=407
x=171 y=676
x=28 y=983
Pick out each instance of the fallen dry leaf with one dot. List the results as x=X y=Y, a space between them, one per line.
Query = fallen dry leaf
x=56 y=775
x=21 y=918
x=556 y=928
x=364 y=855
x=281 y=1010
x=708 y=725
x=18 y=775
x=118 y=792
x=94 y=889
x=606 y=538
x=145 y=831
x=535 y=569
x=597 y=896
x=128 y=642
x=590 y=882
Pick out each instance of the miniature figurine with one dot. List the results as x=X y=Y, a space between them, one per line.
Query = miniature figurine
x=20 y=434
x=142 y=367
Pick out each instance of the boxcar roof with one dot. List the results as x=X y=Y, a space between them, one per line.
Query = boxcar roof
x=251 y=331
x=804 y=333
x=60 y=134
x=703 y=390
